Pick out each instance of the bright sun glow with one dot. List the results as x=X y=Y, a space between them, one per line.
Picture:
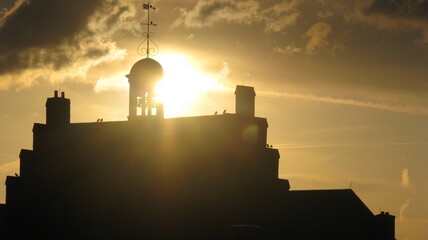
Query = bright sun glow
x=182 y=84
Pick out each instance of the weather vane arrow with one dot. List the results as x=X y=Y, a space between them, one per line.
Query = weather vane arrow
x=148 y=35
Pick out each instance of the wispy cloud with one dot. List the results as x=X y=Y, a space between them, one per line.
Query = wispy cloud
x=317 y=37
x=405 y=180
x=403 y=209
x=5 y=13
x=288 y=50
x=345 y=145
x=207 y=13
x=117 y=82
x=277 y=25
x=281 y=8
x=352 y=102
x=280 y=16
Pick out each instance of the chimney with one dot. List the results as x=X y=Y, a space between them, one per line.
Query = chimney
x=58 y=110
x=385 y=226
x=245 y=101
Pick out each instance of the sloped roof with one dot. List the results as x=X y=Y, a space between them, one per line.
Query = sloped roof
x=338 y=213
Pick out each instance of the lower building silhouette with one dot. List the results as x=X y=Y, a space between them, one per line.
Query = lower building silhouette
x=205 y=177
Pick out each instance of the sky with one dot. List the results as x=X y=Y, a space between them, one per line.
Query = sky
x=343 y=84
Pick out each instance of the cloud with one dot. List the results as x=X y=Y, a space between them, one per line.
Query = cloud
x=190 y=36
x=352 y=102
x=405 y=180
x=208 y=12
x=117 y=82
x=317 y=37
x=288 y=50
x=342 y=145
x=393 y=16
x=5 y=13
x=280 y=16
x=223 y=74
x=403 y=208
x=284 y=7
x=411 y=8
x=325 y=14
x=282 y=22
x=58 y=35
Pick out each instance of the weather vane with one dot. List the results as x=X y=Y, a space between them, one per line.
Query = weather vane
x=147 y=36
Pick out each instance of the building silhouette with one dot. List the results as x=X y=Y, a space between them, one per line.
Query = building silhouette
x=205 y=177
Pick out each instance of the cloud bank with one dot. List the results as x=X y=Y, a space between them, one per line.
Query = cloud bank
x=397 y=15
x=42 y=36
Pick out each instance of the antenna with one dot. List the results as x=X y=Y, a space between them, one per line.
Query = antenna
x=147 y=50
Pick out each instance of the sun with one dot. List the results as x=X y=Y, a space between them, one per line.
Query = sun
x=182 y=84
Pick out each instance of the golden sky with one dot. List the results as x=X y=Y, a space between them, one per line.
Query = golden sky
x=343 y=84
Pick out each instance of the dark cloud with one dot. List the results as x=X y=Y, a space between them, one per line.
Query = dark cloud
x=44 y=23
x=394 y=15
x=410 y=8
x=55 y=33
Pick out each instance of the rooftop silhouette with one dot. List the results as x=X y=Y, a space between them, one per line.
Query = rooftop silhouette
x=205 y=177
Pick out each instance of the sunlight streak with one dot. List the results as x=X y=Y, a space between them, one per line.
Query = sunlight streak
x=334 y=145
x=351 y=102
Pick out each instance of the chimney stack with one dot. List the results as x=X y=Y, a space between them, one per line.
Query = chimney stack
x=245 y=101
x=58 y=110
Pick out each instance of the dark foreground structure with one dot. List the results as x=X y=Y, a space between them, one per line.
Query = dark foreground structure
x=207 y=177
